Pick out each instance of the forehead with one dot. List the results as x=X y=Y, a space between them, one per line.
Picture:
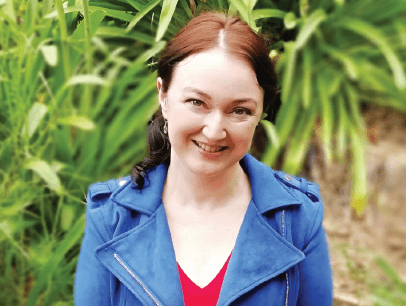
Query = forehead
x=217 y=71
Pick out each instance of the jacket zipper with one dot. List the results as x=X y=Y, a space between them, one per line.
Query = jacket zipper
x=136 y=279
x=287 y=278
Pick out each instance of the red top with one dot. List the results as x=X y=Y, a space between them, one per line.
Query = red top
x=193 y=295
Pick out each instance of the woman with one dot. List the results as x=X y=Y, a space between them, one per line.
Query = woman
x=200 y=221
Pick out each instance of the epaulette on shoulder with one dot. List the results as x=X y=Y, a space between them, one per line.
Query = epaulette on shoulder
x=100 y=190
x=310 y=189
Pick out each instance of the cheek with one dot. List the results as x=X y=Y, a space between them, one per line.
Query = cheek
x=243 y=135
x=183 y=125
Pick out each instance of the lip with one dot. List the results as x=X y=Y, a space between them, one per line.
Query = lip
x=210 y=155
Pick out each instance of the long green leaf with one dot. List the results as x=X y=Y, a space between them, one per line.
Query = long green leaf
x=168 y=8
x=287 y=80
x=50 y=54
x=80 y=122
x=145 y=10
x=250 y=4
x=244 y=12
x=186 y=7
x=78 y=8
x=271 y=132
x=45 y=171
x=358 y=184
x=115 y=32
x=354 y=104
x=267 y=13
x=310 y=25
x=284 y=124
x=299 y=145
x=6 y=154
x=349 y=64
x=35 y=115
x=136 y=4
x=86 y=79
x=9 y=10
x=307 y=77
x=95 y=19
x=158 y=47
x=374 y=35
x=323 y=86
x=343 y=122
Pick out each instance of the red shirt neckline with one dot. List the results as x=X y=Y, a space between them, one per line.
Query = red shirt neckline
x=193 y=295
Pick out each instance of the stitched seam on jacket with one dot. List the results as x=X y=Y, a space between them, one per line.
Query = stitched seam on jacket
x=273 y=232
x=104 y=219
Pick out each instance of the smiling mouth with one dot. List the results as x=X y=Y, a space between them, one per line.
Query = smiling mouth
x=210 y=149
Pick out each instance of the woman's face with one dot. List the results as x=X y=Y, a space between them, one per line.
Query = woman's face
x=213 y=106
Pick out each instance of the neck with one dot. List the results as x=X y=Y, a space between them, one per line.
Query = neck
x=204 y=191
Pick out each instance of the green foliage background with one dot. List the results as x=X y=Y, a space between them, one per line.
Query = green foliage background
x=77 y=89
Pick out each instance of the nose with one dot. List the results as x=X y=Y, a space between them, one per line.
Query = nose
x=214 y=127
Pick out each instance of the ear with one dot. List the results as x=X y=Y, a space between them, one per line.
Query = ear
x=161 y=96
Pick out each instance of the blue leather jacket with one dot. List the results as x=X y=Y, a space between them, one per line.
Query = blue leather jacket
x=280 y=256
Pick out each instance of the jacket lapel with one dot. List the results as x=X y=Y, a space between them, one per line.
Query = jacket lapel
x=148 y=255
x=146 y=250
x=260 y=254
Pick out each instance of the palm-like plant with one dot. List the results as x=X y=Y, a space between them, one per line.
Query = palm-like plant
x=333 y=55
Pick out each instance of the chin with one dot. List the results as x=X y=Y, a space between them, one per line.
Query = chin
x=211 y=168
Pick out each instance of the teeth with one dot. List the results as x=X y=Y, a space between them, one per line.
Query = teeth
x=210 y=149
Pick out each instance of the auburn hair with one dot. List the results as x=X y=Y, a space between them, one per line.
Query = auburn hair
x=204 y=32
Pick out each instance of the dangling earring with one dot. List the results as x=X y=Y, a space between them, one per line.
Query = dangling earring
x=166 y=127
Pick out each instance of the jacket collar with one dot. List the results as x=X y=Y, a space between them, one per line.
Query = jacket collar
x=260 y=253
x=267 y=191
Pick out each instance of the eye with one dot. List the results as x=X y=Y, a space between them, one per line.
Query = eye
x=242 y=111
x=195 y=102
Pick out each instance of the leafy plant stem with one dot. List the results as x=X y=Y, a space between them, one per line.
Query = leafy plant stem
x=57 y=214
x=64 y=45
x=89 y=57
x=64 y=38
x=43 y=221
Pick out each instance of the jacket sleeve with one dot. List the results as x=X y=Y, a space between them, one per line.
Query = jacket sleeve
x=316 y=284
x=92 y=279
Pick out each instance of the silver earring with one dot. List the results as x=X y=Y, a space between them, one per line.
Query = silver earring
x=166 y=127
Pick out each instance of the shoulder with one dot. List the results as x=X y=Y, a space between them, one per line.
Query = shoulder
x=311 y=211
x=100 y=191
x=301 y=187
x=276 y=190
x=100 y=208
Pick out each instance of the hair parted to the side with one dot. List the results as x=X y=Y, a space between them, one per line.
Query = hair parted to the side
x=206 y=31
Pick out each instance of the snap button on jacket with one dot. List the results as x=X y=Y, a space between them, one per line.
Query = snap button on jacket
x=280 y=256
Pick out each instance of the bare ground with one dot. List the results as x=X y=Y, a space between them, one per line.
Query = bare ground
x=355 y=241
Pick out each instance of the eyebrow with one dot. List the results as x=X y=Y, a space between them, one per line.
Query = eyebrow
x=207 y=96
